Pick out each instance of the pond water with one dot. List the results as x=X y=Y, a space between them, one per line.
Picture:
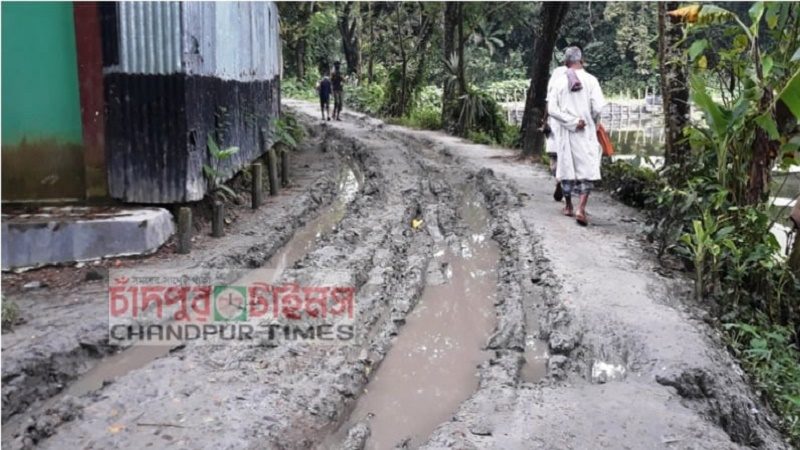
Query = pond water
x=641 y=140
x=644 y=137
x=631 y=136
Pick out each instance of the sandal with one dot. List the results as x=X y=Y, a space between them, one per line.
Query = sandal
x=558 y=195
x=581 y=219
x=567 y=211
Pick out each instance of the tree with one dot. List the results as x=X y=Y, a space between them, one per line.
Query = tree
x=412 y=26
x=453 y=53
x=351 y=45
x=674 y=87
x=371 y=60
x=295 y=19
x=532 y=137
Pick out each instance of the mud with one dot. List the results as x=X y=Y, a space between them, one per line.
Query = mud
x=49 y=351
x=584 y=344
x=348 y=183
x=431 y=367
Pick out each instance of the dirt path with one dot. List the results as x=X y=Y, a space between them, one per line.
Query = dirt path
x=627 y=365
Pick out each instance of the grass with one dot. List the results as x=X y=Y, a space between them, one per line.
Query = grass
x=768 y=355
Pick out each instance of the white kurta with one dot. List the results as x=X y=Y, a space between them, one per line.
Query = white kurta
x=555 y=130
x=579 y=152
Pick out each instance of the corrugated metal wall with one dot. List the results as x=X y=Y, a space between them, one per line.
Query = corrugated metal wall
x=150 y=37
x=227 y=40
x=185 y=71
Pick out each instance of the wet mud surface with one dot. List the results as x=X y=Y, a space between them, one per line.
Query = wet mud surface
x=485 y=320
x=431 y=367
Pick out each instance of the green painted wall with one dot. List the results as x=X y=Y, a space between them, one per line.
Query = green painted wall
x=40 y=97
x=42 y=143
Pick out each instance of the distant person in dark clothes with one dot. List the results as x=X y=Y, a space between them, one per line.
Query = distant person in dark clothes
x=337 y=80
x=324 y=91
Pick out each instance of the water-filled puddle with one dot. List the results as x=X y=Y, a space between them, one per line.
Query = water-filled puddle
x=138 y=356
x=432 y=366
x=348 y=184
x=535 y=367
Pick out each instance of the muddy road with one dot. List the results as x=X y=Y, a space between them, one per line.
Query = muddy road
x=485 y=320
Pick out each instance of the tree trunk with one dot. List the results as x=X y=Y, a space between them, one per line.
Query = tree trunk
x=350 y=44
x=765 y=151
x=300 y=61
x=462 y=76
x=359 y=39
x=674 y=88
x=370 y=71
x=532 y=137
x=412 y=64
x=304 y=17
x=449 y=50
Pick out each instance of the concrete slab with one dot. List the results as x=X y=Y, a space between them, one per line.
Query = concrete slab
x=51 y=235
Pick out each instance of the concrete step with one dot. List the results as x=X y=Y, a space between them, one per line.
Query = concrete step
x=35 y=237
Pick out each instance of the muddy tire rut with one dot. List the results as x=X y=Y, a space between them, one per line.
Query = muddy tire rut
x=541 y=362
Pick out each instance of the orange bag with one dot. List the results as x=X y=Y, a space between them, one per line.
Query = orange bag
x=605 y=141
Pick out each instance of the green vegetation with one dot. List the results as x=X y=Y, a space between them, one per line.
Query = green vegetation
x=450 y=65
x=768 y=354
x=213 y=173
x=401 y=74
x=9 y=314
x=712 y=209
x=631 y=183
x=423 y=119
x=288 y=132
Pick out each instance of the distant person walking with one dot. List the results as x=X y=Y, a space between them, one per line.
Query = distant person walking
x=337 y=81
x=575 y=104
x=324 y=91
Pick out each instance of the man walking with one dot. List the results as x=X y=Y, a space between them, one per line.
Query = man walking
x=337 y=80
x=575 y=105
x=324 y=91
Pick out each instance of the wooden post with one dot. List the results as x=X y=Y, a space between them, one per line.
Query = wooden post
x=285 y=167
x=257 y=194
x=272 y=172
x=217 y=219
x=184 y=230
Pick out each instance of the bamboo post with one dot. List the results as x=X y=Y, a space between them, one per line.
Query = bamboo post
x=285 y=167
x=272 y=172
x=217 y=219
x=184 y=230
x=257 y=196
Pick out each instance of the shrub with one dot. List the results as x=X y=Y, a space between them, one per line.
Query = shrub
x=629 y=183
x=768 y=354
x=292 y=88
x=511 y=136
x=427 y=118
x=508 y=90
x=480 y=137
x=429 y=97
x=480 y=113
x=10 y=314
x=365 y=98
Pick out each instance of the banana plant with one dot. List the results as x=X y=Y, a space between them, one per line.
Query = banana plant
x=741 y=105
x=213 y=174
